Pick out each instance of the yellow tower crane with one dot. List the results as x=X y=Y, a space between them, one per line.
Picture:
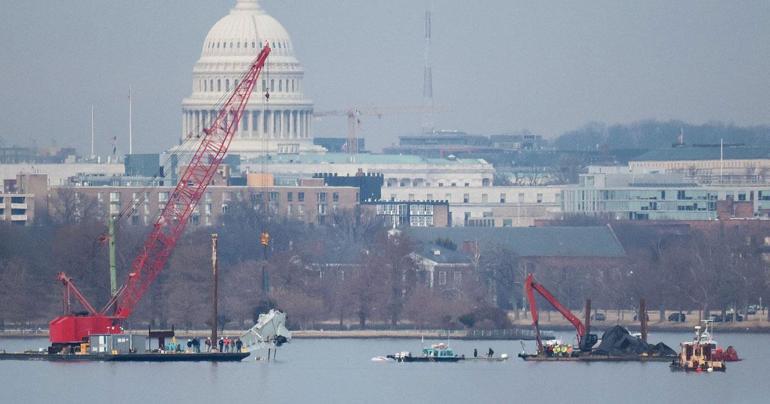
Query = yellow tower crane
x=355 y=114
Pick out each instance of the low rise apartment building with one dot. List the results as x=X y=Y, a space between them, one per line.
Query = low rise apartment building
x=17 y=208
x=475 y=206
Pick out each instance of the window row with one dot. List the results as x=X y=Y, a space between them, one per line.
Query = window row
x=246 y=45
x=219 y=85
x=419 y=182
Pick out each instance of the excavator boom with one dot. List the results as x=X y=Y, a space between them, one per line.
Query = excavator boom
x=530 y=286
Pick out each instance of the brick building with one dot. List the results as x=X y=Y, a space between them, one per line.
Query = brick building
x=537 y=249
x=309 y=203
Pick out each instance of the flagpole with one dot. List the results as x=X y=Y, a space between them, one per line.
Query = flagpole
x=721 y=159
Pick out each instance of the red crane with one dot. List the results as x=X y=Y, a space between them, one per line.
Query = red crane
x=585 y=341
x=71 y=329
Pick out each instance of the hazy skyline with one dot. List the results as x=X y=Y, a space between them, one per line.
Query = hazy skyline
x=499 y=66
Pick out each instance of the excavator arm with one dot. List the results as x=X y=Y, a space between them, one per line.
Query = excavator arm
x=530 y=287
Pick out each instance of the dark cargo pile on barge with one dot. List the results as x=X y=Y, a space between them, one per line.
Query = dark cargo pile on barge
x=617 y=341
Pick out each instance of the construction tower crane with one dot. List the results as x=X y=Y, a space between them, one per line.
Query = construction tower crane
x=585 y=340
x=354 y=120
x=69 y=328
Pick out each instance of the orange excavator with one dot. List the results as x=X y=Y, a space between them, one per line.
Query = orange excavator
x=586 y=341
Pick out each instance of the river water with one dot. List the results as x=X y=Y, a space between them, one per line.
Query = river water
x=341 y=371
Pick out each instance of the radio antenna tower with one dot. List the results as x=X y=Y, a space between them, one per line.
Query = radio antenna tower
x=130 y=123
x=93 y=153
x=427 y=85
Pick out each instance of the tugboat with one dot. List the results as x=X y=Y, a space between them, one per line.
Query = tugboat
x=700 y=354
x=435 y=353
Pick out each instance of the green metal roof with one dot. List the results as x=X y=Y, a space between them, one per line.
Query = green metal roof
x=704 y=153
x=364 y=158
x=551 y=241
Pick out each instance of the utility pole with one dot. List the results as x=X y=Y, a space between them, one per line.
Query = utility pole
x=643 y=318
x=264 y=240
x=214 y=302
x=588 y=316
x=113 y=265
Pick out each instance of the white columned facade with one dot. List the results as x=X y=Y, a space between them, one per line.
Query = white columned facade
x=230 y=47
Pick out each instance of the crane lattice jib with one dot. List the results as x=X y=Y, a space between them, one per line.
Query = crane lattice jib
x=192 y=185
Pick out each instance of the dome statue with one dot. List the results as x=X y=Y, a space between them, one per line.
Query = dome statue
x=280 y=124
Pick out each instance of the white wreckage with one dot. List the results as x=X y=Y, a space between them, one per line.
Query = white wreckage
x=269 y=331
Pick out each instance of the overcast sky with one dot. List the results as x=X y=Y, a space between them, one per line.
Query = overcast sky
x=499 y=65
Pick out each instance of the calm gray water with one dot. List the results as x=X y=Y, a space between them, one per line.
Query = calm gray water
x=341 y=371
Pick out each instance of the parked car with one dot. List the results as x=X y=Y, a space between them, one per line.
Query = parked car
x=646 y=316
x=757 y=308
x=751 y=310
x=677 y=317
x=717 y=318
x=729 y=317
x=599 y=317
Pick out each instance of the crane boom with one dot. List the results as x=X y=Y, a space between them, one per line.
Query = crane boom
x=530 y=286
x=192 y=185
x=169 y=225
x=354 y=114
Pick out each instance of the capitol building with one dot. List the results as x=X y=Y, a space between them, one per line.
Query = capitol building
x=281 y=124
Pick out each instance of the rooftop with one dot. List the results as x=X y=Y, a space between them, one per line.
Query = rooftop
x=364 y=158
x=704 y=153
x=442 y=255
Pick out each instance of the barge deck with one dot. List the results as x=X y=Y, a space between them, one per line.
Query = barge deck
x=595 y=358
x=129 y=357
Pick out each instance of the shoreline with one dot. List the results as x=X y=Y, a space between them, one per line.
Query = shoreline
x=431 y=334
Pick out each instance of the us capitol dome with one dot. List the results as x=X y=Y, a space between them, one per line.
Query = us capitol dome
x=281 y=124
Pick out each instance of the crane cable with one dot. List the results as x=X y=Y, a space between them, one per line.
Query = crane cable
x=264 y=236
x=188 y=145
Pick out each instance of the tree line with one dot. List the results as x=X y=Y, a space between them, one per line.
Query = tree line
x=352 y=272
x=355 y=272
x=652 y=134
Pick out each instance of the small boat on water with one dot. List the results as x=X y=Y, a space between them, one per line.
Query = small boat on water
x=701 y=354
x=435 y=353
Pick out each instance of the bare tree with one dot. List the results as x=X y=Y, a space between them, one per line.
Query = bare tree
x=70 y=207
x=501 y=267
